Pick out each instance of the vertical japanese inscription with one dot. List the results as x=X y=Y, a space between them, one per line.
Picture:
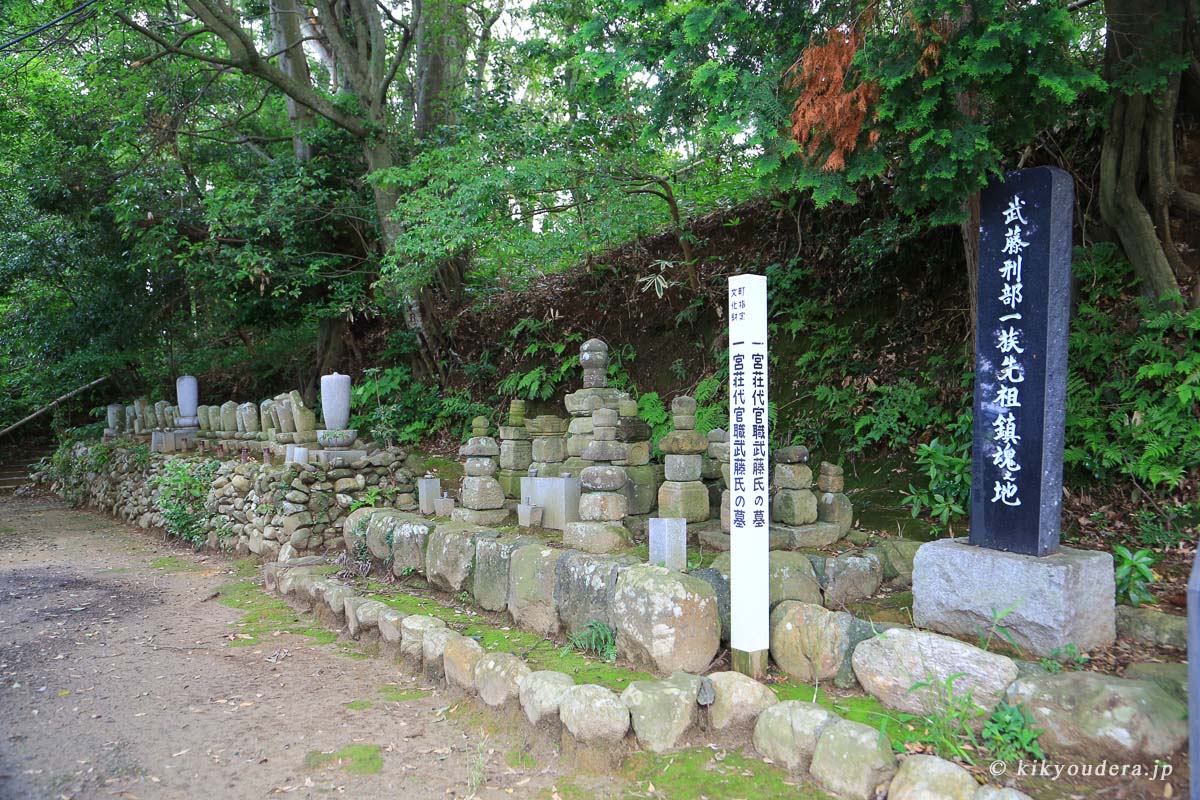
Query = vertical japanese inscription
x=1020 y=361
x=749 y=463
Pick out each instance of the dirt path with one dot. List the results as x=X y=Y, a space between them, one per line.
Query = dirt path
x=118 y=678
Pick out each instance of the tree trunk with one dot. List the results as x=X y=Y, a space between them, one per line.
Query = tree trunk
x=430 y=343
x=970 y=243
x=1137 y=159
x=286 y=37
x=441 y=46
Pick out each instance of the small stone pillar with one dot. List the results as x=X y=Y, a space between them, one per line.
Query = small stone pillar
x=248 y=425
x=162 y=418
x=187 y=395
x=668 y=543
x=794 y=503
x=548 y=447
x=644 y=477
x=303 y=417
x=203 y=419
x=603 y=504
x=834 y=507
x=115 y=420
x=285 y=426
x=482 y=497
x=266 y=415
x=683 y=494
x=516 y=451
x=229 y=421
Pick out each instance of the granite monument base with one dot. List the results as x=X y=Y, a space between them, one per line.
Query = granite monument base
x=1048 y=602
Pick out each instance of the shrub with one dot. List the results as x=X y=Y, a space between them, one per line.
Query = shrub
x=183 y=486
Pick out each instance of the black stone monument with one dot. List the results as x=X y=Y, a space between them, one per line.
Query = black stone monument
x=1021 y=361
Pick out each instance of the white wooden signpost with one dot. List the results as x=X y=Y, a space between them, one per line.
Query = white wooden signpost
x=749 y=492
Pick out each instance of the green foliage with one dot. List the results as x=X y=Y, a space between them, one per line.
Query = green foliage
x=949 y=724
x=369 y=499
x=947 y=489
x=897 y=412
x=1133 y=393
x=598 y=639
x=1018 y=63
x=1134 y=575
x=182 y=488
x=1067 y=655
x=1010 y=735
x=393 y=407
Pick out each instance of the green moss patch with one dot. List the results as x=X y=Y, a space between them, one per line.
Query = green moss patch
x=359 y=705
x=714 y=774
x=518 y=757
x=393 y=693
x=173 y=564
x=536 y=651
x=264 y=615
x=357 y=759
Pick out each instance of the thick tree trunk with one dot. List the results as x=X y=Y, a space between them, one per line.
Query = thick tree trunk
x=441 y=48
x=1137 y=160
x=286 y=37
x=430 y=343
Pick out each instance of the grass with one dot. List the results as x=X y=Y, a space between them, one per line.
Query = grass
x=518 y=757
x=359 y=705
x=898 y=726
x=716 y=775
x=264 y=616
x=173 y=564
x=357 y=759
x=393 y=693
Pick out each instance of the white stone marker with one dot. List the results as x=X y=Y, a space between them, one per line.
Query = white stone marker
x=335 y=401
x=749 y=498
x=668 y=542
x=187 y=395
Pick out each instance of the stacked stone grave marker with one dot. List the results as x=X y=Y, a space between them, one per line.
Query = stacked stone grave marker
x=516 y=450
x=482 y=496
x=641 y=491
x=1053 y=596
x=339 y=443
x=683 y=494
x=549 y=445
x=603 y=503
x=834 y=507
x=593 y=357
x=710 y=471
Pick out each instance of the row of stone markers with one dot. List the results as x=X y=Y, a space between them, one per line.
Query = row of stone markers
x=590 y=474
x=596 y=726
x=280 y=428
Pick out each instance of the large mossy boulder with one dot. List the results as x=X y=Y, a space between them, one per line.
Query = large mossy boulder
x=1094 y=716
x=666 y=620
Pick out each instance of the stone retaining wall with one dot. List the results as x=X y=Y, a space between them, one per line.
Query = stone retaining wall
x=252 y=508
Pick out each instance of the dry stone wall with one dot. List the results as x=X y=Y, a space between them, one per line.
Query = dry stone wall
x=272 y=511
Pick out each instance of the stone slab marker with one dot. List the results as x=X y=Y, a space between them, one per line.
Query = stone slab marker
x=668 y=542
x=749 y=492
x=1021 y=361
x=1051 y=596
